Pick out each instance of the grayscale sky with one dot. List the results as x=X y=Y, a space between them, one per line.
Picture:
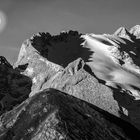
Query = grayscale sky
x=20 y=19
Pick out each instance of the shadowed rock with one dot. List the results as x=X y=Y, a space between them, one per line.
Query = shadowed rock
x=50 y=63
x=14 y=87
x=135 y=31
x=124 y=33
x=87 y=106
x=76 y=80
x=59 y=49
x=51 y=115
x=117 y=64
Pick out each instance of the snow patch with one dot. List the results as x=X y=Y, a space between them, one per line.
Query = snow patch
x=105 y=64
x=30 y=71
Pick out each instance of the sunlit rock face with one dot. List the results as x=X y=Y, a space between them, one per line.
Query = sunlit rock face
x=56 y=68
x=110 y=58
x=70 y=75
x=116 y=60
x=115 y=57
x=59 y=49
x=51 y=115
x=123 y=33
x=135 y=31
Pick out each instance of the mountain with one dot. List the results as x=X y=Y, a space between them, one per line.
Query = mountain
x=72 y=86
x=123 y=33
x=135 y=31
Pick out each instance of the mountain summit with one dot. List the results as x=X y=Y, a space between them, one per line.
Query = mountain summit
x=72 y=86
x=122 y=32
x=135 y=31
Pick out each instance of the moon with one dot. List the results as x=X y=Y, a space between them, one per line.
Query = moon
x=2 y=21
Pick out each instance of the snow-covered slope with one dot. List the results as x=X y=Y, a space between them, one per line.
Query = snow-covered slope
x=115 y=60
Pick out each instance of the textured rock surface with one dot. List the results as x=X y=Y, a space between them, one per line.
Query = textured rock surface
x=59 y=49
x=39 y=69
x=122 y=32
x=51 y=115
x=76 y=81
x=14 y=87
x=135 y=31
x=45 y=55
x=84 y=67
x=116 y=60
x=72 y=79
x=122 y=51
x=48 y=61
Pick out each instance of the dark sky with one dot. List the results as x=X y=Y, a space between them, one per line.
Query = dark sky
x=26 y=17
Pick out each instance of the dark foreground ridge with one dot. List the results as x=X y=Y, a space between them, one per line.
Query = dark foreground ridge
x=14 y=87
x=51 y=115
x=51 y=93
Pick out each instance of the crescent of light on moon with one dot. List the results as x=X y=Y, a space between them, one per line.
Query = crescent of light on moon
x=2 y=21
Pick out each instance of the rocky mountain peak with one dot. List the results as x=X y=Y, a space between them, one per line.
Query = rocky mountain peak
x=135 y=31
x=123 y=32
x=72 y=86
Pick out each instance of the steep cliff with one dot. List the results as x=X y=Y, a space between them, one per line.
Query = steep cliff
x=73 y=86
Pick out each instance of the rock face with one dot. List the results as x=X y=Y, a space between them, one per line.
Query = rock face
x=116 y=61
x=59 y=49
x=14 y=87
x=123 y=33
x=51 y=115
x=135 y=31
x=92 y=82
x=73 y=78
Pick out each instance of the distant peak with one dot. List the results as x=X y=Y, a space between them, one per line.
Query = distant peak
x=135 y=31
x=122 y=32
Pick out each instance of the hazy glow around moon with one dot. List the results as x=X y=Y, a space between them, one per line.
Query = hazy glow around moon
x=2 y=21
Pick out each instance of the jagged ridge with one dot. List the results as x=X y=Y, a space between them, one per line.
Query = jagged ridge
x=52 y=61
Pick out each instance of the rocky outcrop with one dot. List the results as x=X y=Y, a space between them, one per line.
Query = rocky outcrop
x=50 y=64
x=14 y=87
x=73 y=79
x=59 y=49
x=76 y=81
x=70 y=75
x=39 y=69
x=116 y=61
x=52 y=114
x=135 y=31
x=123 y=33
